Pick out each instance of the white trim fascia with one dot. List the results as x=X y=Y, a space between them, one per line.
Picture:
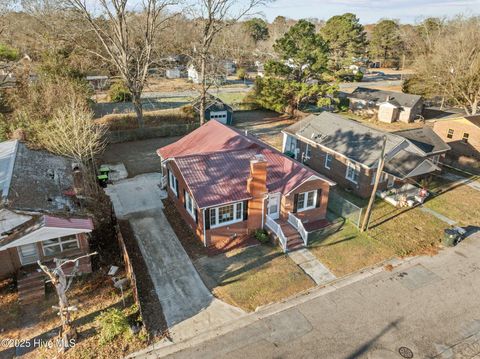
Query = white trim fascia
x=226 y=203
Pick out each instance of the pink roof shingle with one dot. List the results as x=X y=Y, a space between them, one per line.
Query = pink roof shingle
x=215 y=162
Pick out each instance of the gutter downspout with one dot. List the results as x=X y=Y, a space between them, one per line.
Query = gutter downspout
x=204 y=229
x=263 y=210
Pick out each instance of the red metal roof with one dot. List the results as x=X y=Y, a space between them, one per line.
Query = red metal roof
x=215 y=162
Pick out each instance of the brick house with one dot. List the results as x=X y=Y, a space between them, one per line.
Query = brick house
x=41 y=216
x=462 y=134
x=226 y=185
x=348 y=151
x=389 y=106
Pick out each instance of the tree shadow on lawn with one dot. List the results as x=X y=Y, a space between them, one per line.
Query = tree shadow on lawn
x=219 y=267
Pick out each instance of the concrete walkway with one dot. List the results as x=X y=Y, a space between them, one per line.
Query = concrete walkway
x=441 y=217
x=461 y=180
x=426 y=304
x=188 y=306
x=311 y=266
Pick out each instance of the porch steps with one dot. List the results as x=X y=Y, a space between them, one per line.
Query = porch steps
x=31 y=287
x=294 y=240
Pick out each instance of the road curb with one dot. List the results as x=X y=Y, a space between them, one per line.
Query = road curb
x=167 y=347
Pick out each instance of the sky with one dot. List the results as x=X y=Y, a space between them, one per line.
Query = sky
x=370 y=11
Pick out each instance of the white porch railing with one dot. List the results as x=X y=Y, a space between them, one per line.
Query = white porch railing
x=298 y=225
x=277 y=229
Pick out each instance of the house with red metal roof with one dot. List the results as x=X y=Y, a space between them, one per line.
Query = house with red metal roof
x=41 y=216
x=227 y=185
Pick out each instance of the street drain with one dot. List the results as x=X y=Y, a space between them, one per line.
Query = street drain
x=405 y=352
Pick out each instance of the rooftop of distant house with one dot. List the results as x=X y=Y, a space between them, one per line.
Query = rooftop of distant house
x=378 y=96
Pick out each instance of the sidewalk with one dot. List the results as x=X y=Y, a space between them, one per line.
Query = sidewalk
x=164 y=348
x=311 y=266
x=370 y=314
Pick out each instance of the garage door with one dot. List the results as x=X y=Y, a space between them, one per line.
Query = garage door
x=220 y=116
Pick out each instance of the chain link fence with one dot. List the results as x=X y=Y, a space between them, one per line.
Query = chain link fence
x=344 y=208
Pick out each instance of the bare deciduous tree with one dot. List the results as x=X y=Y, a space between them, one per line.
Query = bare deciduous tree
x=213 y=17
x=452 y=68
x=72 y=133
x=127 y=38
x=62 y=282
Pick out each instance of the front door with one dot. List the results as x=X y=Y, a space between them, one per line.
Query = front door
x=28 y=253
x=274 y=205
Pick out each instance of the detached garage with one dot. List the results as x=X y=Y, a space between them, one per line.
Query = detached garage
x=215 y=109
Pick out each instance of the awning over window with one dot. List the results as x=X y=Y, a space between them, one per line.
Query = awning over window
x=42 y=228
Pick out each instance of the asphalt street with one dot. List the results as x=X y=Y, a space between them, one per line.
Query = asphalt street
x=428 y=307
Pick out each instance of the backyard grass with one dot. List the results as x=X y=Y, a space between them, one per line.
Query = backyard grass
x=92 y=294
x=253 y=277
x=455 y=201
x=232 y=98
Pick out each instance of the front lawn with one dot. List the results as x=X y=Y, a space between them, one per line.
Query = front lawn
x=348 y=251
x=456 y=201
x=253 y=276
x=392 y=232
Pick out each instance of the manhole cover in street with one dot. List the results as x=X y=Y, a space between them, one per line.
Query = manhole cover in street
x=405 y=352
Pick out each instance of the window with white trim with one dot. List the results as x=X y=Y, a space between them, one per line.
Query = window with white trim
x=224 y=215
x=306 y=200
x=352 y=172
x=328 y=161
x=55 y=246
x=308 y=152
x=190 y=205
x=173 y=182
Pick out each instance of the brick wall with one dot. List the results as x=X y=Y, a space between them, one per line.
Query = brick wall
x=179 y=201
x=311 y=214
x=338 y=170
x=459 y=127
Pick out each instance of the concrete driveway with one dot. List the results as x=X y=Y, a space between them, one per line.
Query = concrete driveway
x=188 y=306
x=424 y=308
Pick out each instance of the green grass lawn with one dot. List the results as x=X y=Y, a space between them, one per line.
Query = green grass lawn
x=254 y=276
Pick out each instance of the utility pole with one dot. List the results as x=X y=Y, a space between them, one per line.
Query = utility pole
x=378 y=176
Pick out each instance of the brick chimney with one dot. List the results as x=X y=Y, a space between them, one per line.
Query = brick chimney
x=257 y=187
x=257 y=182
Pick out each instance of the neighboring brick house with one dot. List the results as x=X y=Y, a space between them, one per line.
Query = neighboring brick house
x=389 y=106
x=227 y=185
x=462 y=134
x=40 y=216
x=348 y=151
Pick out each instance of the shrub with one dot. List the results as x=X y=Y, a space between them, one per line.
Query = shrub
x=343 y=104
x=113 y=323
x=8 y=53
x=241 y=73
x=118 y=92
x=262 y=236
x=358 y=76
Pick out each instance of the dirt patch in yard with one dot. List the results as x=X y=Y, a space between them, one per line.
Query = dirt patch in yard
x=139 y=157
x=266 y=125
x=150 y=305
x=194 y=248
